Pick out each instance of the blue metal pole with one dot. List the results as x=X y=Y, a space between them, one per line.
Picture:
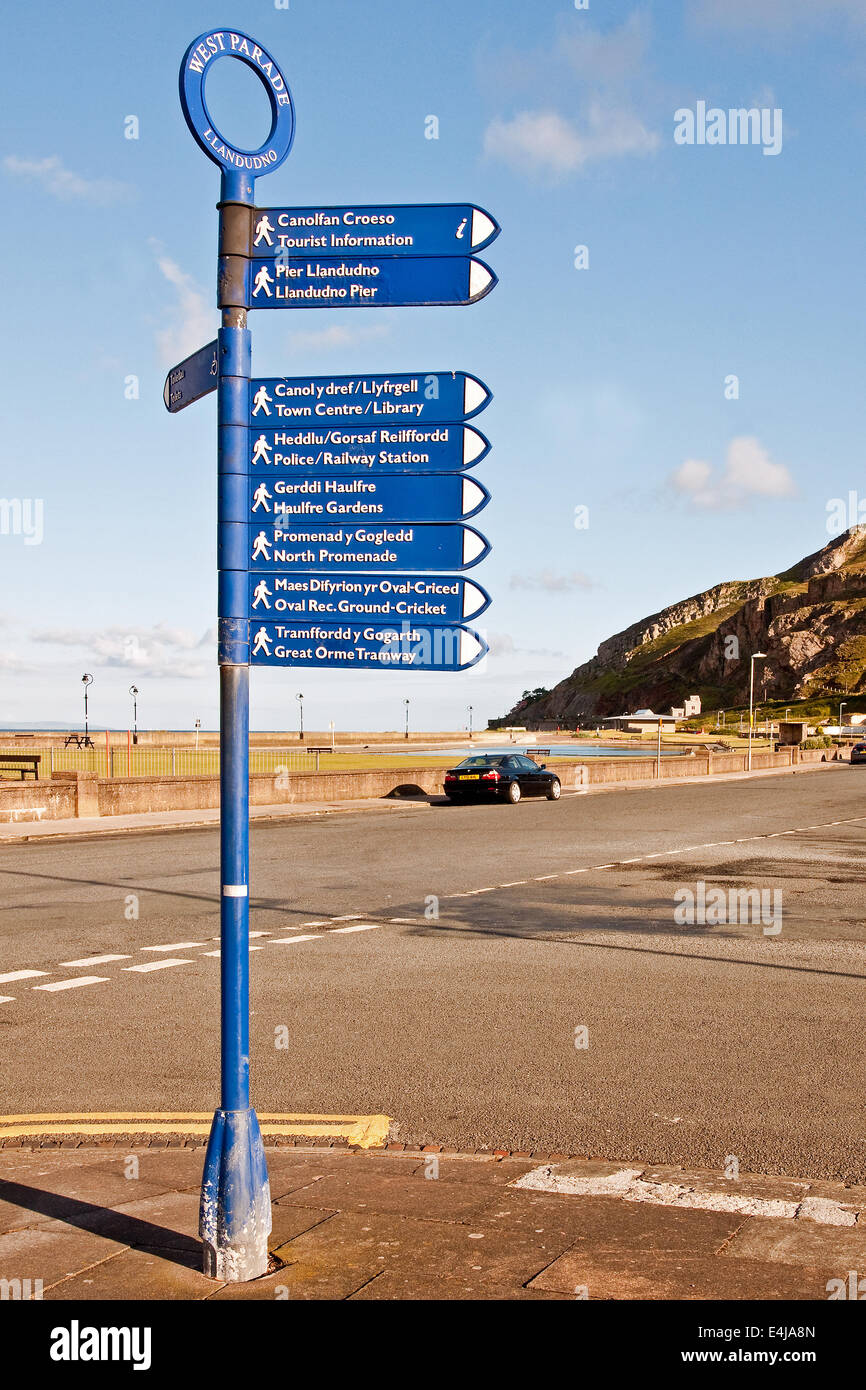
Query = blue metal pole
x=235 y=1217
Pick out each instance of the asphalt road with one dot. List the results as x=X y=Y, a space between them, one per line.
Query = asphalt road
x=704 y=1040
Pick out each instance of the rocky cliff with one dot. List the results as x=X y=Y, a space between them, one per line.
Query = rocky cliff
x=810 y=620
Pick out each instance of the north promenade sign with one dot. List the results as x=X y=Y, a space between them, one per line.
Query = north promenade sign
x=341 y=521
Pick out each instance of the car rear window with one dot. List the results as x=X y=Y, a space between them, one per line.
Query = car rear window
x=481 y=762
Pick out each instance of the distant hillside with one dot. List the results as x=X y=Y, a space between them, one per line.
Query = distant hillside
x=811 y=622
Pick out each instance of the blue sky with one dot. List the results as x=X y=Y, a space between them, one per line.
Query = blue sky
x=705 y=261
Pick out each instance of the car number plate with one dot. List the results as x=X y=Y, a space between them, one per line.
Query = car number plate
x=469 y=776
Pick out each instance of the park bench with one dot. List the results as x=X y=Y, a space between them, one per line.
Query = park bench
x=318 y=748
x=79 y=740
x=21 y=763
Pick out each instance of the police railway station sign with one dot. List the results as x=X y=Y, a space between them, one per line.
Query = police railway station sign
x=357 y=485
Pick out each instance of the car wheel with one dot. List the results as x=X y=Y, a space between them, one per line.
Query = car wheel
x=513 y=792
x=554 y=791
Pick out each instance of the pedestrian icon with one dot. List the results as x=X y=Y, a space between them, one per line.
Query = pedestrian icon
x=261 y=642
x=263 y=281
x=261 y=448
x=260 y=402
x=261 y=594
x=263 y=230
x=261 y=547
x=261 y=497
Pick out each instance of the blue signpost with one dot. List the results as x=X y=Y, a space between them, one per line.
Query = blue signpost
x=302 y=462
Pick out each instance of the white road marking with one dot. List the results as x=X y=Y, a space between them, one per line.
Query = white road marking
x=74 y=984
x=410 y=921
x=364 y=926
x=219 y=953
x=21 y=975
x=175 y=946
x=7 y=998
x=93 y=960
x=313 y=924
x=259 y=933
x=290 y=940
x=156 y=965
x=348 y=917
x=657 y=854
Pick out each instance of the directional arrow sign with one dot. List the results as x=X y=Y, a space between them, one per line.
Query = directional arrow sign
x=372 y=282
x=277 y=549
x=365 y=646
x=437 y=229
x=374 y=448
x=366 y=598
x=396 y=399
x=191 y=379
x=341 y=496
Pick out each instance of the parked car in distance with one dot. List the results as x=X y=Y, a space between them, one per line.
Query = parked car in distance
x=500 y=777
x=858 y=753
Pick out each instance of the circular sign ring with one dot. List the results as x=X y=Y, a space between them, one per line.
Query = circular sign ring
x=230 y=43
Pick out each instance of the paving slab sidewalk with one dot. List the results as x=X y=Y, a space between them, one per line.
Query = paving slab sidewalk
x=117 y=1222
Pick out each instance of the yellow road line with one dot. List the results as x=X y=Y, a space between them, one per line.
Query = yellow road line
x=359 y=1131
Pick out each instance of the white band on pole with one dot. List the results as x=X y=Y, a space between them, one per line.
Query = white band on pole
x=235 y=890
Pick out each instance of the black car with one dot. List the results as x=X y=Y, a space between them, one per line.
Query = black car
x=858 y=753
x=500 y=776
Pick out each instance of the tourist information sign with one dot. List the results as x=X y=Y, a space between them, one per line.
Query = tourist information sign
x=427 y=229
x=366 y=583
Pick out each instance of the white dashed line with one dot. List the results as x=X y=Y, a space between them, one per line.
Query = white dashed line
x=92 y=960
x=156 y=965
x=219 y=953
x=516 y=883
x=364 y=926
x=74 y=984
x=313 y=924
x=175 y=946
x=291 y=940
x=21 y=975
x=7 y=998
x=404 y=921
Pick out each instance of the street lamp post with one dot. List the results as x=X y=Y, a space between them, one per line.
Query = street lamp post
x=843 y=705
x=87 y=681
x=406 y=703
x=133 y=690
x=756 y=656
x=470 y=721
x=300 y=700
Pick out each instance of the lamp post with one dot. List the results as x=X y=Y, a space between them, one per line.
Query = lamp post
x=87 y=680
x=197 y=731
x=300 y=700
x=406 y=703
x=756 y=656
x=843 y=705
x=470 y=721
x=133 y=690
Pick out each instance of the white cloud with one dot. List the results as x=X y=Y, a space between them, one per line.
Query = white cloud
x=749 y=472
x=335 y=335
x=193 y=320
x=55 y=178
x=545 y=143
x=152 y=651
x=548 y=581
